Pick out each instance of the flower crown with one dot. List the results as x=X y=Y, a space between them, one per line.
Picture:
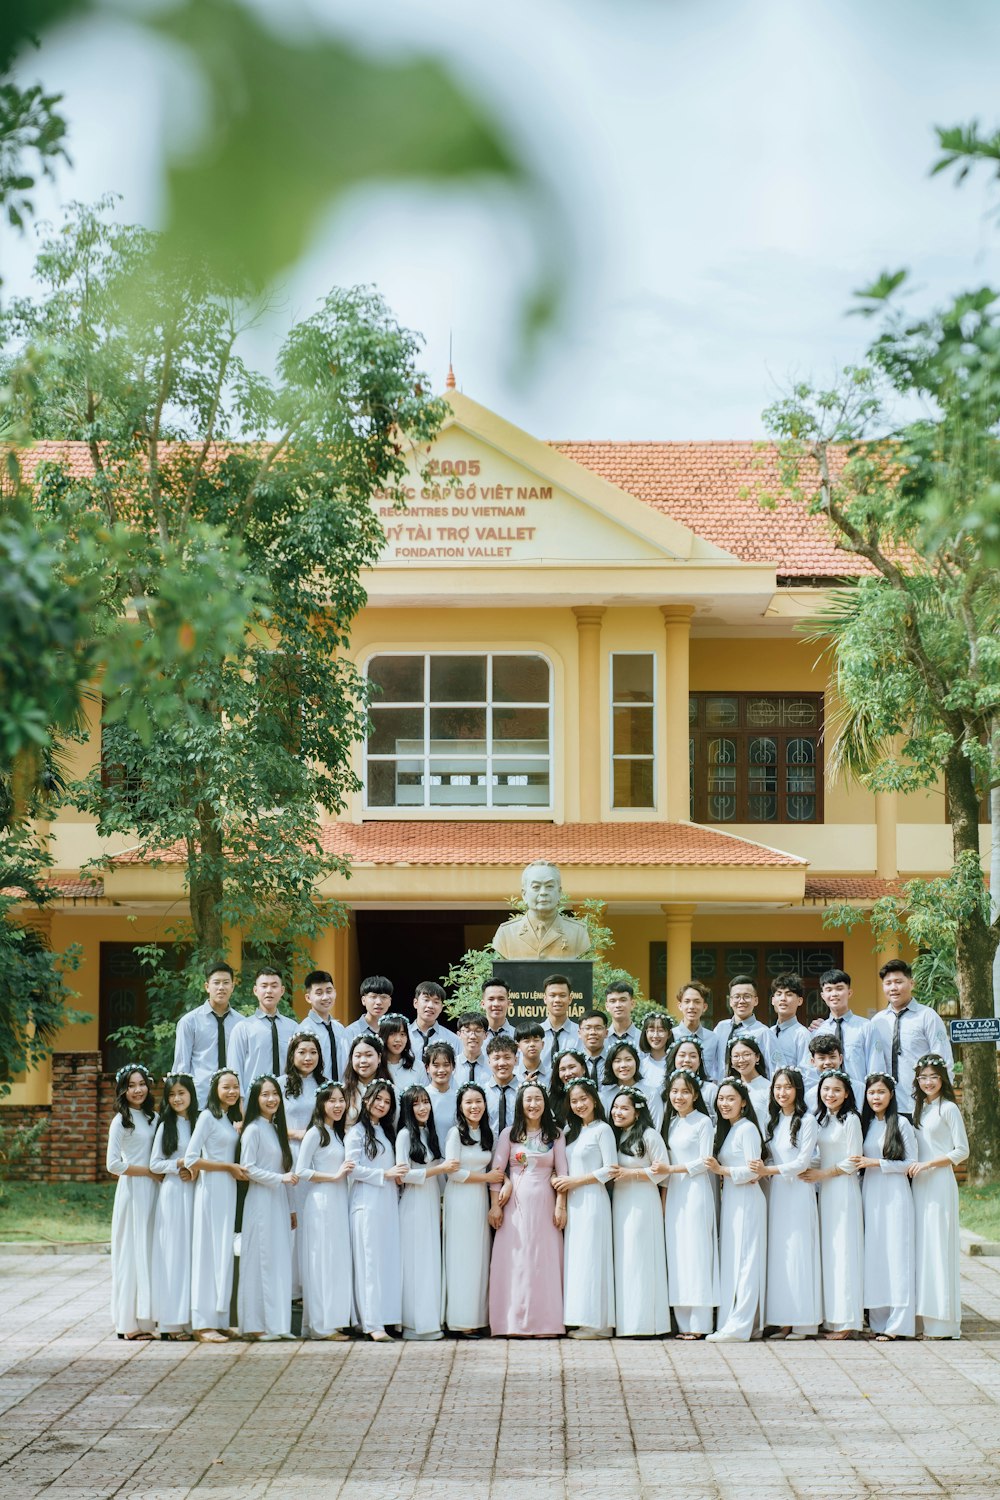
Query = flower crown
x=261 y=1078
x=633 y=1093
x=395 y=1018
x=133 y=1067
x=931 y=1058
x=378 y=1083
x=885 y=1078
x=845 y=1078
x=220 y=1071
x=687 y=1073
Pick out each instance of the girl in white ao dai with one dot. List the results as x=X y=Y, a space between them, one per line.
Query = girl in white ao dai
x=942 y=1145
x=794 y=1301
x=173 y=1221
x=588 y=1258
x=743 y=1220
x=689 y=1207
x=375 y=1243
x=211 y=1156
x=466 y=1213
x=642 y=1302
x=264 y=1295
x=130 y=1142
x=840 y=1221
x=418 y=1151
x=890 y=1148
x=324 y=1226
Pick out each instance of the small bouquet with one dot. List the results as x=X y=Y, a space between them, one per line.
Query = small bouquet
x=521 y=1157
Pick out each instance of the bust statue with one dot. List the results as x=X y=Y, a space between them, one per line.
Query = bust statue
x=542 y=932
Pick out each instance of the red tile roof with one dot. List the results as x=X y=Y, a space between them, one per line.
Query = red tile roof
x=849 y=888
x=697 y=484
x=447 y=843
x=64 y=889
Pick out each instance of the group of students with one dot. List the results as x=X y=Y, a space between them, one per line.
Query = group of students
x=563 y=1177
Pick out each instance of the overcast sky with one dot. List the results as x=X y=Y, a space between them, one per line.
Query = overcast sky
x=731 y=172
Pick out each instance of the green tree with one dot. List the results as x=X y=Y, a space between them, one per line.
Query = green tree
x=197 y=456
x=915 y=641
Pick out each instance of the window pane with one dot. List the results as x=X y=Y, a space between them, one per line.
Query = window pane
x=633 y=731
x=464 y=725
x=382 y=785
x=527 y=725
x=762 y=777
x=762 y=809
x=520 y=679
x=632 y=678
x=799 y=713
x=457 y=783
x=520 y=783
x=396 y=730
x=397 y=679
x=722 y=713
x=801 y=809
x=692 y=710
x=458 y=679
x=633 y=783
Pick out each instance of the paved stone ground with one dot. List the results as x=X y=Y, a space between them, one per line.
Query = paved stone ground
x=83 y=1415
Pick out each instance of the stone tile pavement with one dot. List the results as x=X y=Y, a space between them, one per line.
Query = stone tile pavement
x=83 y=1415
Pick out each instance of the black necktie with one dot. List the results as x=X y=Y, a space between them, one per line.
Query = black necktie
x=557 y=1040
x=777 y=1028
x=895 y=1044
x=503 y=1107
x=595 y=1067
x=220 y=1021
x=334 y=1075
x=275 y=1059
x=472 y=1072
x=839 y=1023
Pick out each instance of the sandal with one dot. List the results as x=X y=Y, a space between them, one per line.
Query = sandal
x=140 y=1336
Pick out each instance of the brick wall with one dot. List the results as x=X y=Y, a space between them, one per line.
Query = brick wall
x=73 y=1146
x=31 y=1168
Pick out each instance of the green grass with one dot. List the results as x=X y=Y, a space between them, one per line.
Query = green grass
x=57 y=1211
x=980 y=1210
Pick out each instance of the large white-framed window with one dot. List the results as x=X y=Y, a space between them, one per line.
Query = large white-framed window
x=459 y=730
x=633 y=729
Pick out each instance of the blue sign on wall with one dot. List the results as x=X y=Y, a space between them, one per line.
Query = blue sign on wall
x=978 y=1029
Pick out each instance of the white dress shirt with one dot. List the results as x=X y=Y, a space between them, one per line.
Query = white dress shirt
x=196 y=1046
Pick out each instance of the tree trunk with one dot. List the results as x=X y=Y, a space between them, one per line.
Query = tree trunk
x=205 y=887
x=975 y=948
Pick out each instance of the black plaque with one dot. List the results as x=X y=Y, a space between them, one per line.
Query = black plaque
x=524 y=978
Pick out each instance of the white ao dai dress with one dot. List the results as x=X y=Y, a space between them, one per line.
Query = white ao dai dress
x=887 y=1199
x=420 y=1239
x=840 y=1224
x=375 y=1244
x=264 y=1295
x=132 y=1225
x=213 y=1221
x=935 y=1205
x=298 y=1114
x=324 y=1237
x=172 y=1229
x=742 y=1237
x=689 y=1224
x=588 y=1257
x=794 y=1278
x=466 y=1235
x=642 y=1304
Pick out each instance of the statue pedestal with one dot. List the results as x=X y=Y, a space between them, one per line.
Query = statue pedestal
x=525 y=977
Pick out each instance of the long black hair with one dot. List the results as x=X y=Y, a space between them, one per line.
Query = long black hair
x=279 y=1122
x=754 y=1045
x=668 y=1026
x=798 y=1108
x=723 y=1127
x=394 y=1024
x=672 y=1066
x=893 y=1145
x=630 y=1140
x=408 y=1121
x=462 y=1124
x=548 y=1125
x=368 y=1124
x=293 y=1078
x=939 y=1066
x=573 y=1122
x=558 y=1092
x=122 y=1106
x=669 y=1113
x=214 y=1104
x=847 y=1108
x=168 y=1119
x=322 y=1124
x=612 y=1053
x=352 y=1083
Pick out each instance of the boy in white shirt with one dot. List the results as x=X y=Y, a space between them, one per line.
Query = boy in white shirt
x=693 y=1000
x=743 y=1003
x=790 y=1039
x=471 y=1065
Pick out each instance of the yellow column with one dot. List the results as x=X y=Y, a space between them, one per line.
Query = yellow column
x=588 y=625
x=677 y=622
x=329 y=952
x=679 y=919
x=886 y=865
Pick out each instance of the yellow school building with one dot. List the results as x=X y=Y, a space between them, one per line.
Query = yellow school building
x=583 y=651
